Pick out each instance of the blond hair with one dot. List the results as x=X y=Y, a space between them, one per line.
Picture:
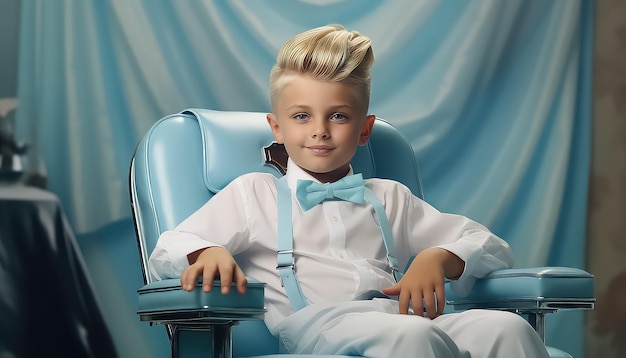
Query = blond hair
x=327 y=53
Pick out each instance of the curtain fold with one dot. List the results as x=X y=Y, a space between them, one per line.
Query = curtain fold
x=494 y=97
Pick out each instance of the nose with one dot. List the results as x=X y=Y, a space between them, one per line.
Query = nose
x=319 y=129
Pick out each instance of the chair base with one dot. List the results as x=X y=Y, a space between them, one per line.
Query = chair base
x=165 y=302
x=220 y=341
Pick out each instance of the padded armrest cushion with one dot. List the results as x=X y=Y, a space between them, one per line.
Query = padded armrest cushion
x=165 y=300
x=538 y=287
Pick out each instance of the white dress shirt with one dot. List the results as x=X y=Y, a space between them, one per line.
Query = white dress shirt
x=338 y=249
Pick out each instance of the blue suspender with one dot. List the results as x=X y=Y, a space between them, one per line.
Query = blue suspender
x=285 y=260
x=385 y=229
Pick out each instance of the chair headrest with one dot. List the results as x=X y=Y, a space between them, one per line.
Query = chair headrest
x=233 y=145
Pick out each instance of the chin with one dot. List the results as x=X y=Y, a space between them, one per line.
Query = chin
x=326 y=170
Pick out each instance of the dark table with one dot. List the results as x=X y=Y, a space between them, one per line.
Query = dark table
x=47 y=303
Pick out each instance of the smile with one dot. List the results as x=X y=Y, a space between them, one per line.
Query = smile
x=320 y=149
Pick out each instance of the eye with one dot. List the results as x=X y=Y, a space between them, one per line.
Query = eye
x=338 y=117
x=301 y=117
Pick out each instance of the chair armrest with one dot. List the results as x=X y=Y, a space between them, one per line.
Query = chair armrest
x=539 y=289
x=166 y=302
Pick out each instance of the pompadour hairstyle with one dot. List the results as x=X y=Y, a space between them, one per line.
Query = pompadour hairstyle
x=327 y=53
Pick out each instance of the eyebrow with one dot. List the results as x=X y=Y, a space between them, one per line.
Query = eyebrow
x=334 y=108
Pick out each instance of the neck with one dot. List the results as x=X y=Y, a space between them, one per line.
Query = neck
x=330 y=177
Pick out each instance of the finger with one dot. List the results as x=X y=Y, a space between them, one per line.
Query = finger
x=403 y=301
x=418 y=304
x=183 y=280
x=241 y=280
x=188 y=278
x=441 y=300
x=208 y=275
x=392 y=291
x=226 y=278
x=429 y=302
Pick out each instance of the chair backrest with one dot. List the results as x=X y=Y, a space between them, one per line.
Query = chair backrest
x=186 y=158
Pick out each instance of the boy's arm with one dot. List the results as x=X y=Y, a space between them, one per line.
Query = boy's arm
x=220 y=222
x=446 y=246
x=481 y=251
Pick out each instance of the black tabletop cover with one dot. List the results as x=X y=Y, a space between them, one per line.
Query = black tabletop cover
x=47 y=303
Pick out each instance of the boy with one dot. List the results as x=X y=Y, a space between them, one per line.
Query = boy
x=319 y=91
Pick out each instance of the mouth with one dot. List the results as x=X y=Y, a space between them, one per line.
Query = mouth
x=320 y=149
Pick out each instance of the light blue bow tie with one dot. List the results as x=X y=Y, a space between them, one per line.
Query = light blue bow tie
x=350 y=188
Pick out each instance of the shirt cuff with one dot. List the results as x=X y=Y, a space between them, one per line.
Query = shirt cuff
x=170 y=260
x=471 y=255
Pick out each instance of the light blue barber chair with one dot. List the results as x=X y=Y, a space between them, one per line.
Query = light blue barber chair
x=185 y=158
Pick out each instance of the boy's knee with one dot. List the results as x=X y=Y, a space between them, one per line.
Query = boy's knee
x=512 y=328
x=510 y=322
x=419 y=334
x=376 y=334
x=401 y=326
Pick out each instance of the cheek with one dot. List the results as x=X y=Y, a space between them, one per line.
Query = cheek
x=293 y=134
x=352 y=136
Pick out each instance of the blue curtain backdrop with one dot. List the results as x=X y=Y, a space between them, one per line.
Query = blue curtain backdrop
x=493 y=95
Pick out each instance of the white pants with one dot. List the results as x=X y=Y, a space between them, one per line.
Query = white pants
x=375 y=329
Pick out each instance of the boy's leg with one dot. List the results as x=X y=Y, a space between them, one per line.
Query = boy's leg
x=486 y=333
x=366 y=328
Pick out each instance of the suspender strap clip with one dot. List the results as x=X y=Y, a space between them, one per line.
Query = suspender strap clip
x=285 y=259
x=392 y=260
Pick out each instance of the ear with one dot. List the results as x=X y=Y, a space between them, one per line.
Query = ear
x=366 y=130
x=273 y=123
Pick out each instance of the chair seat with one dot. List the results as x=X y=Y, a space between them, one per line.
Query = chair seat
x=538 y=288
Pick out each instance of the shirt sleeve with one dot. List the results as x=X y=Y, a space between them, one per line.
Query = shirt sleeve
x=219 y=222
x=480 y=249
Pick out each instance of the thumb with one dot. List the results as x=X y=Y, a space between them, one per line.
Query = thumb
x=392 y=291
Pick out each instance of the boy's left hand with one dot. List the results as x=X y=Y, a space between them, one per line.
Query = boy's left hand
x=423 y=283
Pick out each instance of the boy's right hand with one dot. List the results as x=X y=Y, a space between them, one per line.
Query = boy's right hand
x=213 y=262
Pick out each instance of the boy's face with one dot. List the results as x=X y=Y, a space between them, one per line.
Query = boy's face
x=321 y=125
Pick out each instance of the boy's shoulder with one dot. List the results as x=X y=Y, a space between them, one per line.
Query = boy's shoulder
x=387 y=188
x=253 y=185
x=255 y=177
x=383 y=183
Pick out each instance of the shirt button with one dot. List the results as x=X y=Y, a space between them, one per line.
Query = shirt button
x=334 y=218
x=341 y=256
